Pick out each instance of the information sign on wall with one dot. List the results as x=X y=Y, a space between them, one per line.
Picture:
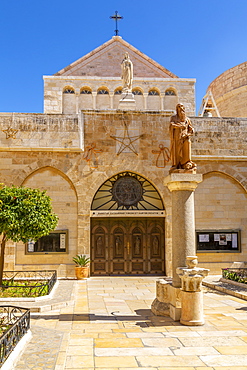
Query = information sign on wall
x=218 y=240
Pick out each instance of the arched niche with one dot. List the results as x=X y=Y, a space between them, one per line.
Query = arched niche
x=221 y=204
x=127 y=190
x=69 y=100
x=64 y=204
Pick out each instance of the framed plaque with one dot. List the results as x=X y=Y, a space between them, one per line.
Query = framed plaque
x=218 y=240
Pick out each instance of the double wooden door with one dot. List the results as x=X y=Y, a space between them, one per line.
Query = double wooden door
x=127 y=246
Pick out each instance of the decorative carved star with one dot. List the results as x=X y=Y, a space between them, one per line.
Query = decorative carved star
x=10 y=133
x=126 y=141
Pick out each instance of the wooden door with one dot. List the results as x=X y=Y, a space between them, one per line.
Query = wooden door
x=127 y=246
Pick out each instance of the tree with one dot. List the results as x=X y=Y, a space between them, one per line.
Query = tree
x=24 y=214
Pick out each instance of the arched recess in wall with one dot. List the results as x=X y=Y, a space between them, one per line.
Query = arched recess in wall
x=170 y=98
x=127 y=227
x=64 y=203
x=153 y=99
x=127 y=190
x=103 y=98
x=69 y=100
x=221 y=204
x=117 y=96
x=86 y=98
x=139 y=98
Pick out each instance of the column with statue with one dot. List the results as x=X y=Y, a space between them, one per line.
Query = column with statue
x=181 y=182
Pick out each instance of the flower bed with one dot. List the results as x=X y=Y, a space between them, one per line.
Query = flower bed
x=14 y=323
x=27 y=283
x=235 y=274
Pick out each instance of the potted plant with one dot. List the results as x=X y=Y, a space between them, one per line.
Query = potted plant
x=82 y=266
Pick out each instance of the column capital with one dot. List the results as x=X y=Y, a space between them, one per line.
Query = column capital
x=182 y=181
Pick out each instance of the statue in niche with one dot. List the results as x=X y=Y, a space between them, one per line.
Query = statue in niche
x=127 y=73
x=137 y=245
x=180 y=131
x=118 y=245
x=99 y=246
x=155 y=245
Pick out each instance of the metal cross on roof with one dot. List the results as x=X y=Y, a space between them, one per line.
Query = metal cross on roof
x=117 y=17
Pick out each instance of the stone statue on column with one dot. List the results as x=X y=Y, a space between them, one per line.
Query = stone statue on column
x=181 y=130
x=127 y=73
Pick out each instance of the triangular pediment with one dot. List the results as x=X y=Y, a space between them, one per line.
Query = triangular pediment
x=105 y=61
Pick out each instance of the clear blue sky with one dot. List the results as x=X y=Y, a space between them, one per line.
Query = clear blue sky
x=193 y=38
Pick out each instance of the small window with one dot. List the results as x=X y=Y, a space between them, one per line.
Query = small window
x=137 y=92
x=103 y=92
x=55 y=242
x=170 y=92
x=86 y=91
x=118 y=92
x=153 y=92
x=68 y=90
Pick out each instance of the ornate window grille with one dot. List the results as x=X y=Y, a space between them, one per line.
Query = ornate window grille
x=137 y=92
x=86 y=91
x=103 y=92
x=118 y=92
x=69 y=91
x=153 y=92
x=127 y=190
x=170 y=92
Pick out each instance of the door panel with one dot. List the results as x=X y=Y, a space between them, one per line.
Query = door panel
x=127 y=246
x=118 y=263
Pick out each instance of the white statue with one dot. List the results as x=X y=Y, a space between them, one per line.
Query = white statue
x=127 y=73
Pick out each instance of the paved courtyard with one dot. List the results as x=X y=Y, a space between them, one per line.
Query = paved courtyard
x=110 y=326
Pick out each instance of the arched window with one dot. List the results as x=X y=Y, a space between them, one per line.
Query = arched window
x=118 y=92
x=103 y=92
x=137 y=92
x=127 y=190
x=68 y=90
x=153 y=92
x=85 y=90
x=170 y=92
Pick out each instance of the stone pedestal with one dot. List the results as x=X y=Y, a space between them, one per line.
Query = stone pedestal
x=127 y=101
x=167 y=301
x=191 y=292
x=169 y=296
x=182 y=186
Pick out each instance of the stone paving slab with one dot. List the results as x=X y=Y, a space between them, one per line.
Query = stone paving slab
x=108 y=332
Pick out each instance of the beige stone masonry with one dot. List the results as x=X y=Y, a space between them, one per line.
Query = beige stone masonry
x=220 y=200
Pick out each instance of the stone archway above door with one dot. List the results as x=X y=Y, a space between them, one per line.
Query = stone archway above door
x=127 y=191
x=127 y=227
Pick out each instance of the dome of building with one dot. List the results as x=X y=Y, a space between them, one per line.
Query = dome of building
x=230 y=91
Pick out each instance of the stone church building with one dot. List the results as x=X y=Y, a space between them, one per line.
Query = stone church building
x=104 y=168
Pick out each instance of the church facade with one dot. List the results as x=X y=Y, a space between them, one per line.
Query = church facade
x=104 y=168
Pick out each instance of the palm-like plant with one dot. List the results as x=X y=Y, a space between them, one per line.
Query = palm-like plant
x=81 y=260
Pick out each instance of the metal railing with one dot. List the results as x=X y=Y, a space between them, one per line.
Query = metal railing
x=235 y=274
x=14 y=323
x=28 y=283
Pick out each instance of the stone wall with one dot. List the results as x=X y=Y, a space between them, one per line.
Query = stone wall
x=230 y=91
x=57 y=102
x=28 y=131
x=72 y=177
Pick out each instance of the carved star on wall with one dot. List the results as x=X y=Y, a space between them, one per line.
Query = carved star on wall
x=10 y=133
x=126 y=142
